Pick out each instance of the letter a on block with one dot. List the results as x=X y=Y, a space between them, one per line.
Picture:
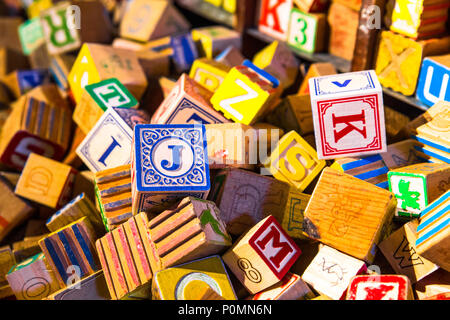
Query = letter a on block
x=274 y=18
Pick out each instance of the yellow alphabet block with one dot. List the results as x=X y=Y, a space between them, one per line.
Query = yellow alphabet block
x=209 y=73
x=295 y=161
x=182 y=282
x=243 y=96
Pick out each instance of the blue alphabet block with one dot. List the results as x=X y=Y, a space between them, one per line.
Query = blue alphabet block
x=184 y=51
x=434 y=80
x=169 y=162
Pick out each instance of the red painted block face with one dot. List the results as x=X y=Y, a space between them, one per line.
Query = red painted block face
x=274 y=17
x=379 y=287
x=275 y=247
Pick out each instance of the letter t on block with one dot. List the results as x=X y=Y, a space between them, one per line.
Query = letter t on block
x=348 y=115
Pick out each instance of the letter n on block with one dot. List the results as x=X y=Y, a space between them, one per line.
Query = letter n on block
x=274 y=18
x=348 y=114
x=263 y=256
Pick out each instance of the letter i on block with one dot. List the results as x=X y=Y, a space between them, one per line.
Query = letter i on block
x=169 y=162
x=243 y=96
x=348 y=114
x=274 y=18
x=434 y=80
x=295 y=161
x=380 y=287
x=185 y=281
x=433 y=232
x=108 y=144
x=263 y=256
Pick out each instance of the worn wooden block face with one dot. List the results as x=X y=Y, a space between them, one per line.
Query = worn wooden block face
x=215 y=39
x=166 y=20
x=348 y=114
x=274 y=18
x=124 y=256
x=400 y=154
x=243 y=96
x=97 y=98
x=32 y=279
x=46 y=181
x=199 y=232
x=31 y=35
x=418 y=185
x=209 y=73
x=380 y=287
x=292 y=287
x=434 y=79
x=339 y=205
x=70 y=251
x=13 y=210
x=188 y=102
x=343 y=22
x=263 y=256
x=311 y=5
x=331 y=271
x=401 y=252
x=182 y=282
x=7 y=261
x=231 y=57
x=295 y=161
x=433 y=232
x=245 y=198
x=168 y=162
x=306 y=31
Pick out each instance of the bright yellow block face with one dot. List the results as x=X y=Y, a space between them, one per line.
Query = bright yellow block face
x=37 y=6
x=83 y=72
x=241 y=98
x=406 y=17
x=398 y=62
x=210 y=75
x=179 y=282
x=263 y=58
x=295 y=161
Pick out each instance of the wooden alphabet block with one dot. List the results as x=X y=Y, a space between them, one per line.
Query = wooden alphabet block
x=97 y=98
x=348 y=114
x=27 y=248
x=319 y=69
x=99 y=152
x=335 y=217
x=331 y=271
x=231 y=57
x=433 y=84
x=243 y=96
x=418 y=185
x=70 y=251
x=292 y=287
x=36 y=6
x=13 y=209
x=278 y=60
x=436 y=283
x=182 y=282
x=92 y=287
x=7 y=261
x=191 y=231
x=274 y=18
x=46 y=181
x=420 y=19
x=188 y=102
x=113 y=191
x=295 y=161
x=166 y=20
x=184 y=51
x=155 y=64
x=20 y=82
x=245 y=198
x=32 y=279
x=96 y=62
x=215 y=39
x=31 y=35
x=433 y=232
x=399 y=60
x=401 y=252
x=125 y=257
x=435 y=111
x=312 y=5
x=400 y=154
x=61 y=33
x=159 y=176
x=60 y=67
x=291 y=219
x=343 y=22
x=307 y=31
x=10 y=36
x=76 y=209
x=263 y=256
x=231 y=145
x=209 y=73
x=380 y=287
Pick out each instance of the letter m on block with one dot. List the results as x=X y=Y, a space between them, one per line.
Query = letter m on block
x=275 y=247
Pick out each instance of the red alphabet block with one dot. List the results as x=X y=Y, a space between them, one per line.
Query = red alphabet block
x=274 y=18
x=380 y=287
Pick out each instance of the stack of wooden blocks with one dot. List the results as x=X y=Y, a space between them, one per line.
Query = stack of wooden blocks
x=167 y=164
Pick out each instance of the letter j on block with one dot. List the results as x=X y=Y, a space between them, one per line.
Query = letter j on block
x=348 y=115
